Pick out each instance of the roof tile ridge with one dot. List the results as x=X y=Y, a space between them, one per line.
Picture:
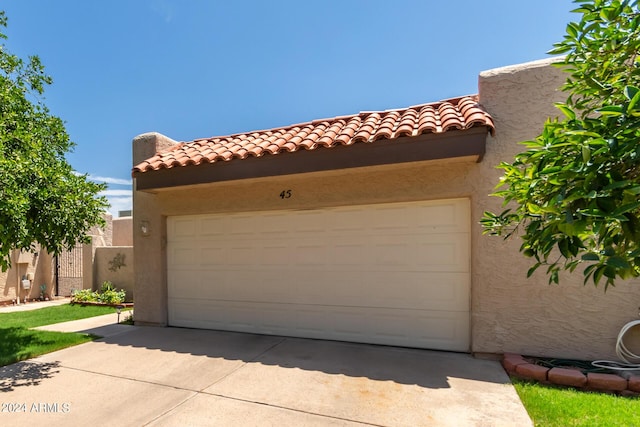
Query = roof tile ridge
x=347 y=117
x=435 y=104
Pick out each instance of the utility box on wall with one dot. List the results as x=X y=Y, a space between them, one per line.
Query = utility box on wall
x=29 y=270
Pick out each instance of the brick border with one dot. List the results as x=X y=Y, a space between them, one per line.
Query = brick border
x=522 y=367
x=102 y=304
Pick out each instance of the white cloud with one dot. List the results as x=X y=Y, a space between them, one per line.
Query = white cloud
x=118 y=199
x=110 y=180
x=119 y=204
x=115 y=193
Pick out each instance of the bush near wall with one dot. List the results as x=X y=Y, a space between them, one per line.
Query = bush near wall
x=108 y=294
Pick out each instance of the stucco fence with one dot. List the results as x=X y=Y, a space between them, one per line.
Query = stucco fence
x=114 y=264
x=111 y=257
x=108 y=257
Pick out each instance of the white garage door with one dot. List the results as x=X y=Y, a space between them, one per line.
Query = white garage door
x=394 y=274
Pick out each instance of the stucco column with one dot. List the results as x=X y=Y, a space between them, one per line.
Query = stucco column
x=88 y=265
x=149 y=241
x=519 y=98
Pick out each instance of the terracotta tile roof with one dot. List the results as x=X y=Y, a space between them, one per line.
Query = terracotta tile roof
x=439 y=117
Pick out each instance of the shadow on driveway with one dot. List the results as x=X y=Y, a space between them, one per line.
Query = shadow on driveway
x=175 y=376
x=431 y=369
x=26 y=374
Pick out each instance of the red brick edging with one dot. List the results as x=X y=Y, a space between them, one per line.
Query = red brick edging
x=518 y=366
x=102 y=304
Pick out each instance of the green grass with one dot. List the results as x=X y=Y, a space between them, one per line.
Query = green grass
x=18 y=342
x=552 y=406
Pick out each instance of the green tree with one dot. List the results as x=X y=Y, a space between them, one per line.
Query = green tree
x=573 y=195
x=42 y=200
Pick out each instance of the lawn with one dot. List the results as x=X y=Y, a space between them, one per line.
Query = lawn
x=552 y=406
x=18 y=342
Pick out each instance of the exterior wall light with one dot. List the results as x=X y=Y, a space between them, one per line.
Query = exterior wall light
x=144 y=228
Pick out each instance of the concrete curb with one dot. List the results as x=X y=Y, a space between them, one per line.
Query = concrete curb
x=104 y=326
x=34 y=305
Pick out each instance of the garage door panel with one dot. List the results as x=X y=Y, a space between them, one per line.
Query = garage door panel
x=442 y=217
x=191 y=313
x=241 y=286
x=436 y=330
x=393 y=274
x=435 y=291
x=311 y=222
x=308 y=254
x=388 y=218
x=212 y=228
x=242 y=225
x=347 y=254
x=187 y=283
x=213 y=257
x=440 y=256
x=275 y=224
x=443 y=255
x=274 y=288
x=387 y=290
x=274 y=256
x=243 y=317
x=183 y=228
x=184 y=256
x=362 y=289
x=347 y=219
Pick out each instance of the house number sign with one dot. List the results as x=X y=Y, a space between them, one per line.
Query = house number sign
x=285 y=194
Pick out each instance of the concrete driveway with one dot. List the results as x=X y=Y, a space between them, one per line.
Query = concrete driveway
x=141 y=376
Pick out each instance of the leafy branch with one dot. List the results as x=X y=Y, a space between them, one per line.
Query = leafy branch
x=572 y=196
x=42 y=200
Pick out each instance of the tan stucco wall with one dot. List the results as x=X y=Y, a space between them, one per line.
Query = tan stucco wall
x=150 y=280
x=105 y=269
x=103 y=236
x=509 y=313
x=41 y=266
x=122 y=231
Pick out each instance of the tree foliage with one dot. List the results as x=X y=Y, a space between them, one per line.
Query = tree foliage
x=576 y=188
x=42 y=200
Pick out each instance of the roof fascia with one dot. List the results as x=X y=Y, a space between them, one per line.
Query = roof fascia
x=451 y=144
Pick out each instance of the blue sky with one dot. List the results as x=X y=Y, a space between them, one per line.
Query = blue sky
x=199 y=68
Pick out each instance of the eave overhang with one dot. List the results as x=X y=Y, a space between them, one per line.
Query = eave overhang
x=467 y=143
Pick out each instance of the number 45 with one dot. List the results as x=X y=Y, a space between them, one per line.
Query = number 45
x=285 y=194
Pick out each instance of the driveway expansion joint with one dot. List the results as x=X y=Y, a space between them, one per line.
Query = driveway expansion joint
x=122 y=377
x=253 y=359
x=168 y=411
x=255 y=402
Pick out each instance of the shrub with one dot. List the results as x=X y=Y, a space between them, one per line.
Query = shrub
x=84 y=295
x=108 y=295
x=112 y=296
x=128 y=320
x=107 y=286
